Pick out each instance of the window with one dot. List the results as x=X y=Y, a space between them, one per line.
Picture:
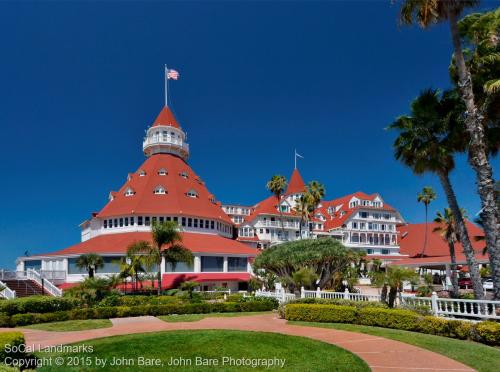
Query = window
x=161 y=219
x=363 y=214
x=236 y=264
x=139 y=220
x=369 y=251
x=147 y=221
x=190 y=222
x=162 y=172
x=192 y=193
x=212 y=264
x=184 y=175
x=33 y=264
x=180 y=267
x=142 y=173
x=115 y=223
x=201 y=224
x=105 y=224
x=354 y=225
x=160 y=190
x=387 y=216
x=195 y=222
x=126 y=221
x=183 y=221
x=370 y=226
x=385 y=251
x=212 y=225
x=129 y=191
x=362 y=225
x=131 y=221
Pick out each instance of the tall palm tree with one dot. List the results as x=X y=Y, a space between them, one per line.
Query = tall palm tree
x=277 y=185
x=133 y=264
x=447 y=228
x=90 y=262
x=303 y=207
x=425 y=13
x=426 y=196
x=426 y=143
x=167 y=243
x=317 y=191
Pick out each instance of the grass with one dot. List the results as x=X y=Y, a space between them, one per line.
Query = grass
x=197 y=317
x=300 y=354
x=72 y=325
x=481 y=357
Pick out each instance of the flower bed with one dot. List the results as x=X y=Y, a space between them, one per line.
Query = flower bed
x=484 y=332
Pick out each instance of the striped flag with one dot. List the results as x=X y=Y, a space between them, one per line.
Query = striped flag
x=172 y=74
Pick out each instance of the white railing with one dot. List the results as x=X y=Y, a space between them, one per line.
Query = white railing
x=268 y=223
x=164 y=141
x=346 y=295
x=281 y=296
x=45 y=284
x=12 y=275
x=452 y=307
x=7 y=293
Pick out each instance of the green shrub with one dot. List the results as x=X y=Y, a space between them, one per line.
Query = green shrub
x=235 y=297
x=321 y=313
x=434 y=326
x=488 y=332
x=4 y=320
x=341 y=302
x=37 y=304
x=13 y=339
x=389 y=318
x=460 y=329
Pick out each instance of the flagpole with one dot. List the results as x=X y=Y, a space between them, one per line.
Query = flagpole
x=166 y=86
x=295 y=158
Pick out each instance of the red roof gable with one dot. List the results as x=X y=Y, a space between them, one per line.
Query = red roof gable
x=166 y=117
x=118 y=244
x=296 y=184
x=412 y=240
x=174 y=202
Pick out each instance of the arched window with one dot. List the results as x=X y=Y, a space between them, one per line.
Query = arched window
x=160 y=190
x=162 y=172
x=184 y=175
x=192 y=193
x=129 y=191
x=142 y=173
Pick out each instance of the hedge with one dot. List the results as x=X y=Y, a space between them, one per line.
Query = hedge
x=37 y=304
x=12 y=339
x=102 y=312
x=485 y=332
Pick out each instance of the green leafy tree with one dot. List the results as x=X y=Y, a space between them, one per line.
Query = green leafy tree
x=392 y=281
x=277 y=185
x=426 y=196
x=427 y=141
x=92 y=290
x=304 y=208
x=426 y=13
x=133 y=264
x=324 y=256
x=304 y=277
x=166 y=244
x=90 y=262
x=189 y=287
x=447 y=228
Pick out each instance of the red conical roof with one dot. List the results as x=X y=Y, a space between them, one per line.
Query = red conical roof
x=177 y=178
x=296 y=184
x=166 y=117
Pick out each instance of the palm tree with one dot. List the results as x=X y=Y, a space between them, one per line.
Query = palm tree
x=426 y=143
x=303 y=207
x=277 y=185
x=166 y=244
x=90 y=262
x=317 y=191
x=133 y=265
x=426 y=196
x=425 y=13
x=448 y=230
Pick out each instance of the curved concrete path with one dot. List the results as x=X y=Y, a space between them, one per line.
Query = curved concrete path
x=379 y=353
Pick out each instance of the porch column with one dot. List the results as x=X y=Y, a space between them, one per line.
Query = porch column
x=225 y=265
x=197 y=264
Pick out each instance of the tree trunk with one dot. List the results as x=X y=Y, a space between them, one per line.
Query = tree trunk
x=478 y=157
x=383 y=294
x=464 y=236
x=392 y=296
x=426 y=228
x=91 y=272
x=453 y=268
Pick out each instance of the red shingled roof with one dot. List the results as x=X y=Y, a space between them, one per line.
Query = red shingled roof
x=118 y=244
x=175 y=201
x=412 y=240
x=166 y=117
x=296 y=184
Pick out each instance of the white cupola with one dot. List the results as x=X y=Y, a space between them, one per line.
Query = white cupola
x=165 y=136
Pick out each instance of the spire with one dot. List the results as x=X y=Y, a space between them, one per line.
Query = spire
x=166 y=117
x=296 y=184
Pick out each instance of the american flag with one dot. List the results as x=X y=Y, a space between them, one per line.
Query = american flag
x=172 y=74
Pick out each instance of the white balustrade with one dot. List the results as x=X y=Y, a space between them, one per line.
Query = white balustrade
x=45 y=284
x=7 y=293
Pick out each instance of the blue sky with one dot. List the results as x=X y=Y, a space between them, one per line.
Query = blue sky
x=80 y=82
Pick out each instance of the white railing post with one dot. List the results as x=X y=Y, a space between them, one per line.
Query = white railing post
x=318 y=292
x=302 y=292
x=346 y=294
x=434 y=303
x=229 y=291
x=283 y=296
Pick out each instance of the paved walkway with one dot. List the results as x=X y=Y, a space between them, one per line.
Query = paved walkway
x=381 y=354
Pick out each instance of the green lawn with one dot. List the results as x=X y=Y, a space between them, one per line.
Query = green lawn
x=184 y=347
x=72 y=325
x=196 y=317
x=478 y=356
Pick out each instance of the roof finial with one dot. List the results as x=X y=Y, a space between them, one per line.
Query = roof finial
x=297 y=155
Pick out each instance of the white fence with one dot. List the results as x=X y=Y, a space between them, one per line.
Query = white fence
x=346 y=295
x=6 y=292
x=280 y=295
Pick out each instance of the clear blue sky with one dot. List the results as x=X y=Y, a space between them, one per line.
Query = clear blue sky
x=81 y=82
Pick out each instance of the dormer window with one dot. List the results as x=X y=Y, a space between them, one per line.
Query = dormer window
x=192 y=193
x=160 y=190
x=129 y=191
x=162 y=172
x=184 y=175
x=142 y=173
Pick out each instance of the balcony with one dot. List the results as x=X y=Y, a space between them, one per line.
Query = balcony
x=286 y=224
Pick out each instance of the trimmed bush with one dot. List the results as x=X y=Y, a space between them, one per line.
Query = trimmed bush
x=488 y=332
x=341 y=302
x=4 y=320
x=321 y=313
x=12 y=339
x=485 y=332
x=37 y=304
